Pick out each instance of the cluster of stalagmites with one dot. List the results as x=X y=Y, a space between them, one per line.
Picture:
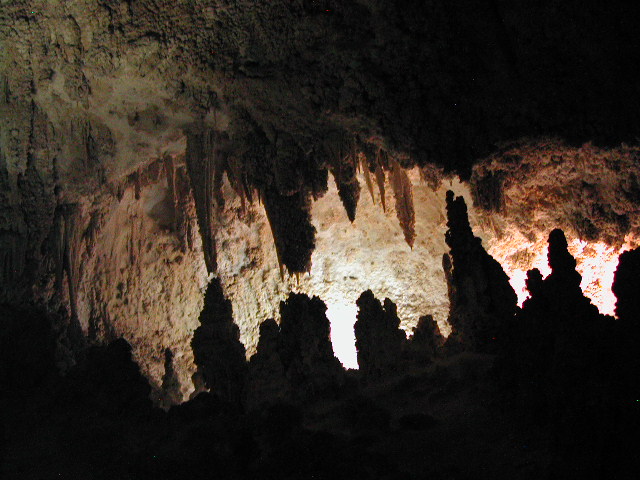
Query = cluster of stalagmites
x=557 y=361
x=561 y=361
x=295 y=359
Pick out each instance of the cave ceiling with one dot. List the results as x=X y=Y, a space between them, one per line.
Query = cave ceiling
x=439 y=82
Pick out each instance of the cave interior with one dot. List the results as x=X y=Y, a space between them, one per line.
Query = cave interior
x=319 y=239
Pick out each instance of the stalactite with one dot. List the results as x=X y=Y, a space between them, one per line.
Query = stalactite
x=136 y=185
x=403 y=194
x=364 y=165
x=380 y=180
x=236 y=178
x=201 y=166
x=348 y=185
x=169 y=174
x=6 y=90
x=59 y=248
x=293 y=232
x=487 y=190
x=184 y=208
x=13 y=257
x=343 y=163
x=72 y=242
x=66 y=240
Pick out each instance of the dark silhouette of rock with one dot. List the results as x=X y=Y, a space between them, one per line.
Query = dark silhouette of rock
x=267 y=381
x=482 y=300
x=416 y=421
x=626 y=377
x=217 y=349
x=293 y=233
x=27 y=348
x=562 y=354
x=305 y=345
x=379 y=340
x=534 y=282
x=108 y=381
x=294 y=360
x=426 y=342
x=364 y=416
x=348 y=186
x=626 y=287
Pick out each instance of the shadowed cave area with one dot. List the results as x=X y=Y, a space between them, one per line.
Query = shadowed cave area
x=321 y=239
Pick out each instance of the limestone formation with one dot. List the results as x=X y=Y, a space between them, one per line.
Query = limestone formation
x=427 y=341
x=293 y=233
x=171 y=391
x=379 y=341
x=295 y=360
x=267 y=381
x=483 y=302
x=305 y=347
x=563 y=357
x=627 y=328
x=217 y=349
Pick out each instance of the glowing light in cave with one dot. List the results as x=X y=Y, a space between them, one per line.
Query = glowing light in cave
x=342 y=317
x=596 y=262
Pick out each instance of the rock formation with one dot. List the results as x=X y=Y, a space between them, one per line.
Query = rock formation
x=171 y=393
x=561 y=349
x=305 y=345
x=295 y=360
x=127 y=127
x=427 y=341
x=217 y=349
x=267 y=381
x=482 y=300
x=379 y=340
x=627 y=329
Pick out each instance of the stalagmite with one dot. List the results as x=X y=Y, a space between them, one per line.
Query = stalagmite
x=482 y=300
x=379 y=340
x=217 y=349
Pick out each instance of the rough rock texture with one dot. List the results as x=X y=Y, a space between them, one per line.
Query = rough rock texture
x=530 y=187
x=142 y=269
x=92 y=90
x=125 y=261
x=379 y=340
x=349 y=258
x=591 y=192
x=482 y=301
